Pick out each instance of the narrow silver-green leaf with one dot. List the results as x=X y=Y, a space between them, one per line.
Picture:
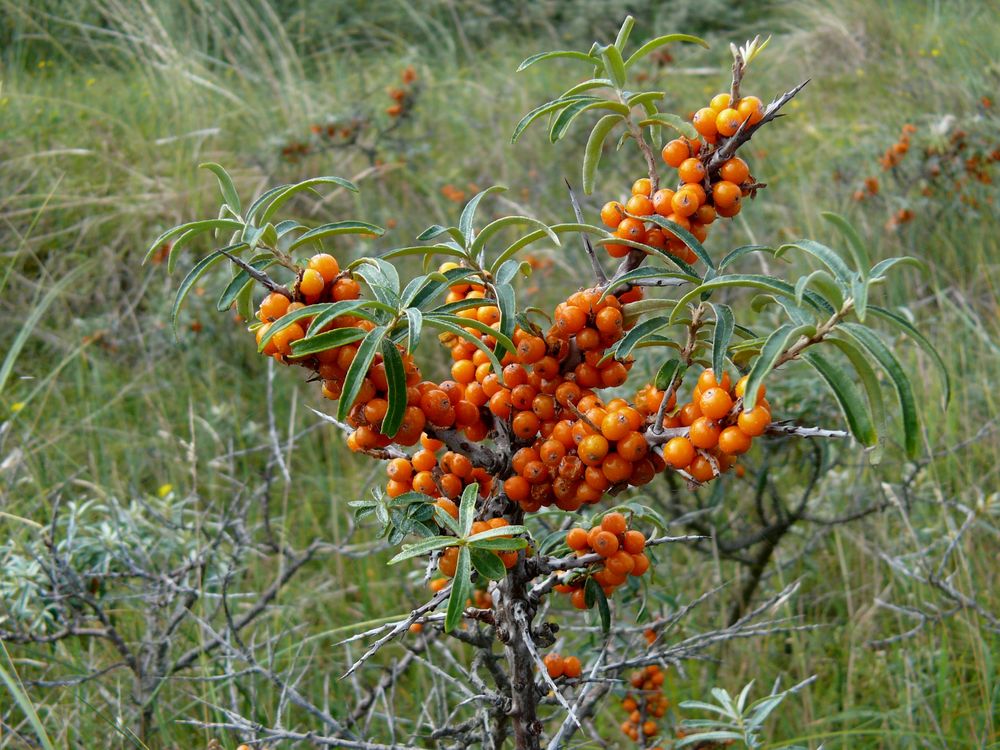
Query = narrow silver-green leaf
x=465 y=223
x=660 y=41
x=358 y=370
x=672 y=121
x=280 y=198
x=910 y=330
x=327 y=340
x=422 y=548
x=859 y=251
x=460 y=587
x=555 y=55
x=415 y=325
x=550 y=106
x=900 y=380
x=508 y=221
x=774 y=346
x=488 y=564
x=852 y=403
x=869 y=379
x=336 y=228
x=594 y=149
x=190 y=280
x=565 y=118
x=614 y=64
x=725 y=321
x=623 y=33
x=827 y=256
x=226 y=186
x=395 y=375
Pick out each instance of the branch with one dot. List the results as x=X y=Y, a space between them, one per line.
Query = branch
x=594 y=260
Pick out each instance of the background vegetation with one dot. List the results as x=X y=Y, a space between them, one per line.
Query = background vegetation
x=106 y=106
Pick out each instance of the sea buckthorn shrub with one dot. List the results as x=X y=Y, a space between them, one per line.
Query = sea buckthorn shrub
x=540 y=416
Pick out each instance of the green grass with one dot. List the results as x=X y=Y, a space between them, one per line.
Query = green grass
x=105 y=115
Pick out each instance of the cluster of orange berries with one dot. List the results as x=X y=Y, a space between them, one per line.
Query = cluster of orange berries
x=645 y=706
x=895 y=153
x=562 y=666
x=719 y=429
x=700 y=197
x=443 y=478
x=448 y=561
x=402 y=95
x=320 y=281
x=621 y=549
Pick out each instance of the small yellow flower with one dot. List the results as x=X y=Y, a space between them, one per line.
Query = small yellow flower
x=91 y=81
x=16 y=407
x=935 y=52
x=165 y=489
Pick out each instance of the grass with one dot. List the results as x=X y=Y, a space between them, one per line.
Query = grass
x=105 y=115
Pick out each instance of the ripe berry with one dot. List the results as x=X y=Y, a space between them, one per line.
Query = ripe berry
x=704 y=121
x=605 y=543
x=273 y=306
x=701 y=469
x=327 y=266
x=642 y=186
x=614 y=523
x=612 y=214
x=735 y=170
x=576 y=539
x=639 y=205
x=572 y=667
x=728 y=122
x=691 y=170
x=635 y=542
x=631 y=229
x=704 y=433
x=725 y=195
x=675 y=152
x=663 y=201
x=720 y=102
x=751 y=108
x=685 y=202
x=678 y=452
x=734 y=441
x=715 y=403
x=755 y=421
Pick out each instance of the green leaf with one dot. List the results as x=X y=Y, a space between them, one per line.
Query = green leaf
x=707 y=737
x=653 y=251
x=509 y=269
x=191 y=229
x=287 y=319
x=614 y=65
x=594 y=594
x=906 y=327
x=396 y=377
x=190 y=280
x=850 y=399
x=882 y=267
x=328 y=313
x=528 y=239
x=623 y=33
x=873 y=388
x=326 y=340
x=672 y=121
x=460 y=587
x=550 y=106
x=401 y=252
x=825 y=285
x=500 y=544
x=825 y=255
x=660 y=41
x=497 y=532
x=12 y=682
x=859 y=251
x=467 y=508
x=285 y=193
x=742 y=251
x=592 y=83
x=684 y=236
x=561 y=123
x=594 y=149
x=465 y=223
x=226 y=186
x=415 y=324
x=445 y=323
x=358 y=370
x=637 y=334
x=488 y=564
x=507 y=221
x=557 y=54
x=753 y=281
x=859 y=290
x=639 y=274
x=508 y=310
x=671 y=370
x=775 y=345
x=644 y=99
x=336 y=228
x=422 y=548
x=725 y=321
x=900 y=380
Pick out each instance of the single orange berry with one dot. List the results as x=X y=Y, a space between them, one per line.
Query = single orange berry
x=715 y=403
x=691 y=170
x=642 y=186
x=704 y=121
x=615 y=523
x=734 y=441
x=728 y=121
x=720 y=102
x=639 y=205
x=755 y=421
x=725 y=195
x=678 y=452
x=675 y=152
x=612 y=214
x=735 y=170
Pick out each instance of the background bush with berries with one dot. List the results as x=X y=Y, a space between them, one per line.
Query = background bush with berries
x=625 y=449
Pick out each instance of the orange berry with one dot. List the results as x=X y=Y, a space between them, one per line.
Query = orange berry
x=616 y=468
x=447 y=506
x=524 y=425
x=613 y=374
x=612 y=214
x=678 y=452
x=572 y=667
x=615 y=523
x=635 y=542
x=663 y=201
x=725 y=195
x=734 y=441
x=620 y=563
x=609 y=321
x=640 y=564
x=592 y=449
x=639 y=205
x=579 y=599
x=755 y=421
x=741 y=386
x=605 y=543
x=751 y=108
x=273 y=306
x=326 y=265
x=631 y=229
x=576 y=539
x=633 y=447
x=704 y=433
x=735 y=170
x=728 y=121
x=684 y=203
x=642 y=186
x=715 y=403
x=701 y=469
x=691 y=170
x=704 y=121
x=500 y=404
x=517 y=488
x=448 y=562
x=676 y=151
x=311 y=284
x=720 y=102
